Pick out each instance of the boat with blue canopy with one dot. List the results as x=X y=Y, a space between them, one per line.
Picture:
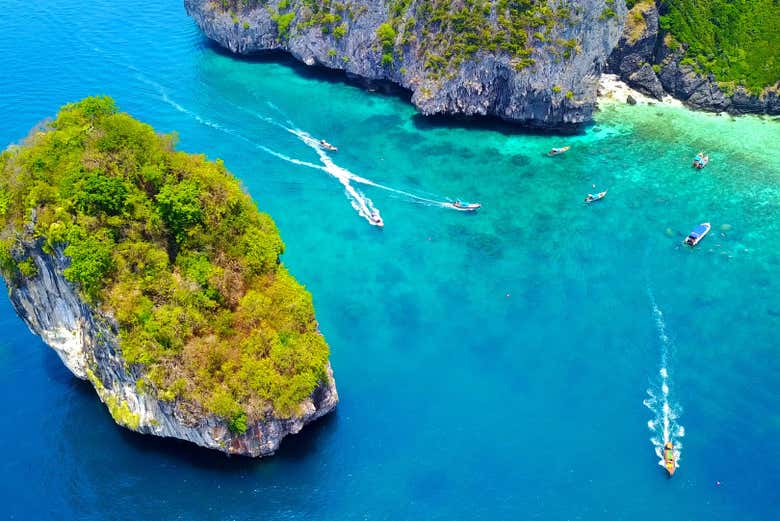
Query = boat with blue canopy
x=697 y=234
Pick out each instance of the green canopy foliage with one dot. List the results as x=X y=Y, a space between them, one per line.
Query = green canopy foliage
x=735 y=40
x=170 y=246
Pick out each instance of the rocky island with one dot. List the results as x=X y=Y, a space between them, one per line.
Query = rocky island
x=532 y=62
x=154 y=276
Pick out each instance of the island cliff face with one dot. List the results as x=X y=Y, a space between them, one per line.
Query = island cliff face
x=155 y=277
x=649 y=60
x=553 y=85
x=86 y=342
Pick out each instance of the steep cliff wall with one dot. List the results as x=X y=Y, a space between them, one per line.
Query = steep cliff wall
x=86 y=341
x=548 y=81
x=648 y=59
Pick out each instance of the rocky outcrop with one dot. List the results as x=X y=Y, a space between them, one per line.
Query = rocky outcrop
x=558 y=91
x=633 y=57
x=643 y=59
x=86 y=341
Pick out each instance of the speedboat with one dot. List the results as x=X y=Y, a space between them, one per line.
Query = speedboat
x=670 y=463
x=700 y=161
x=697 y=234
x=556 y=151
x=465 y=207
x=596 y=197
x=376 y=220
x=327 y=146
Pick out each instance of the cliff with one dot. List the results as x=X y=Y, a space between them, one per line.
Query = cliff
x=651 y=60
x=86 y=342
x=212 y=393
x=538 y=65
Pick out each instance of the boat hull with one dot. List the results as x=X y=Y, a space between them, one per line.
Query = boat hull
x=558 y=152
x=598 y=197
x=467 y=208
x=692 y=240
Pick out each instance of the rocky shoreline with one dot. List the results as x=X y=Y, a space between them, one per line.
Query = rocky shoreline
x=645 y=61
x=555 y=93
x=86 y=341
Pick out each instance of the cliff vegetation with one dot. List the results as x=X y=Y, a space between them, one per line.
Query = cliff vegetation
x=168 y=245
x=445 y=34
x=738 y=41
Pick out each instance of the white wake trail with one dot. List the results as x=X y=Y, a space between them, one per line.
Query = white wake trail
x=329 y=165
x=359 y=201
x=664 y=422
x=362 y=204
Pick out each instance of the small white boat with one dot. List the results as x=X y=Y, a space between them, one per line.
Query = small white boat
x=376 y=220
x=558 y=150
x=597 y=197
x=327 y=146
x=697 y=234
x=465 y=207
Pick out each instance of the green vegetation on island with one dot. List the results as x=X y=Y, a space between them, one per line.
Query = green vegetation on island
x=451 y=34
x=738 y=41
x=442 y=33
x=169 y=245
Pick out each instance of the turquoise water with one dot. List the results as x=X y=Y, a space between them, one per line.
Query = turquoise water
x=491 y=366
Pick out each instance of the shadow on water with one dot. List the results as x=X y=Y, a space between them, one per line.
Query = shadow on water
x=321 y=72
x=493 y=124
x=317 y=72
x=294 y=447
x=56 y=371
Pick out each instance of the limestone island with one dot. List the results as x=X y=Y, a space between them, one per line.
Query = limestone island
x=535 y=63
x=155 y=277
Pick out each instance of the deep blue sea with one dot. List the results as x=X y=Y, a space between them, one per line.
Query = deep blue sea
x=502 y=365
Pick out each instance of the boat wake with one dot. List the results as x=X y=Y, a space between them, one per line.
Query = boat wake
x=329 y=166
x=362 y=204
x=663 y=425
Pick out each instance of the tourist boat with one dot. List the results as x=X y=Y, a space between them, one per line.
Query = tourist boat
x=465 y=207
x=376 y=220
x=697 y=234
x=599 y=196
x=700 y=161
x=556 y=151
x=669 y=460
x=327 y=146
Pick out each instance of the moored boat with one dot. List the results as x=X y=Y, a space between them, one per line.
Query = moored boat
x=670 y=463
x=465 y=207
x=697 y=234
x=597 y=197
x=701 y=160
x=557 y=150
